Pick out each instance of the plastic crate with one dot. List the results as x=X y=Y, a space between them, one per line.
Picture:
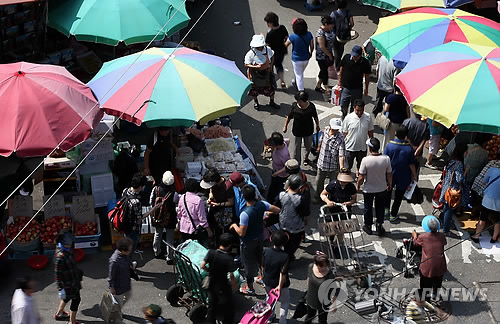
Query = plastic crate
x=88 y=241
x=23 y=255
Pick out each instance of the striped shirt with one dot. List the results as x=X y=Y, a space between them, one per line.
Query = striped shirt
x=478 y=185
x=332 y=147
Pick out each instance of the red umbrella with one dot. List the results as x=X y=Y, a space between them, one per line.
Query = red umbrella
x=39 y=106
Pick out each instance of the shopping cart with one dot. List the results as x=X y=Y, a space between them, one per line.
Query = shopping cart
x=188 y=291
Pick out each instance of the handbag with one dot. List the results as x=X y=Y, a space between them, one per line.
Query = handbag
x=200 y=232
x=382 y=121
x=110 y=308
x=452 y=196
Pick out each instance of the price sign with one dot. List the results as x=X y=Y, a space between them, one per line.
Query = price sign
x=21 y=206
x=82 y=209
x=55 y=206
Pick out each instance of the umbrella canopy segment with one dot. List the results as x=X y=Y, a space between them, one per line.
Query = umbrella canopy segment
x=455 y=83
x=178 y=87
x=40 y=105
x=395 y=5
x=401 y=35
x=112 y=21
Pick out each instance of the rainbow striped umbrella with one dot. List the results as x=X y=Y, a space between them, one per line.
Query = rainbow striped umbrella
x=413 y=31
x=455 y=83
x=173 y=87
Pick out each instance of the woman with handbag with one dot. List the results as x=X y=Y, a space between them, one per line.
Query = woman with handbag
x=324 y=51
x=191 y=215
x=259 y=63
x=452 y=185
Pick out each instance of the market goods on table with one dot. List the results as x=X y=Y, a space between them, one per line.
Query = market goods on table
x=493 y=146
x=220 y=145
x=85 y=229
x=217 y=131
x=31 y=233
x=51 y=227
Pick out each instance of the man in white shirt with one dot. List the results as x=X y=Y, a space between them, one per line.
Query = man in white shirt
x=376 y=174
x=357 y=127
x=23 y=310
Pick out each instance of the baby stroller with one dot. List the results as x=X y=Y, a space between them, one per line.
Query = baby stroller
x=261 y=312
x=408 y=252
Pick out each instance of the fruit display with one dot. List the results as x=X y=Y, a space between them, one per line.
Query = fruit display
x=52 y=226
x=454 y=130
x=85 y=229
x=31 y=232
x=493 y=146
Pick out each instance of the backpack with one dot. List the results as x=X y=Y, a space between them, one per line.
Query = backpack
x=160 y=216
x=342 y=26
x=118 y=216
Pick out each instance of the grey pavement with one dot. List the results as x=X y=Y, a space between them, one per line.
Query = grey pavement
x=466 y=263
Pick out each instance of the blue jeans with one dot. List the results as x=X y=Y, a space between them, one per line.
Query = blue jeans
x=447 y=214
x=380 y=201
x=347 y=97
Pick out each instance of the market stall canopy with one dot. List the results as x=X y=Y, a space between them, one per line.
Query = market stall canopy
x=455 y=83
x=395 y=5
x=112 y=21
x=39 y=106
x=170 y=87
x=399 y=36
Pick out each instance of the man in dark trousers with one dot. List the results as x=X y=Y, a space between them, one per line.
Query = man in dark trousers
x=218 y=263
x=119 y=273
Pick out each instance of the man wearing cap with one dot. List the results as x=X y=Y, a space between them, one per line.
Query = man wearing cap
x=259 y=63
x=331 y=154
x=352 y=69
x=403 y=162
x=165 y=216
x=376 y=174
x=236 y=182
x=356 y=128
x=251 y=232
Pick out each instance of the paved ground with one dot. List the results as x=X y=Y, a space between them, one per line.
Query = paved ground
x=467 y=264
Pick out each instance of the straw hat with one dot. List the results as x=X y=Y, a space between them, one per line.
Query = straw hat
x=345 y=177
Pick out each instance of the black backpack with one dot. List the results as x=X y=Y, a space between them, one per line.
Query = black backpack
x=342 y=26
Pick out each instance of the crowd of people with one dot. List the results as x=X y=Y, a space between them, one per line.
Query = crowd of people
x=230 y=214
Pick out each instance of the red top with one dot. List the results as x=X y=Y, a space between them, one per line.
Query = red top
x=433 y=262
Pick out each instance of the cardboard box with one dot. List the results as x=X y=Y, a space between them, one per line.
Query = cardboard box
x=102 y=152
x=102 y=189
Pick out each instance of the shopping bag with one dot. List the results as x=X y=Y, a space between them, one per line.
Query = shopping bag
x=383 y=121
x=110 y=308
x=335 y=98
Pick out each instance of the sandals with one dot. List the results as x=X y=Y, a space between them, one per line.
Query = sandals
x=283 y=85
x=63 y=317
x=258 y=280
x=246 y=291
x=256 y=106
x=307 y=162
x=319 y=89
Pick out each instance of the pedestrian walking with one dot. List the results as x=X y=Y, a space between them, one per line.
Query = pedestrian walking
x=331 y=154
x=304 y=116
x=23 y=309
x=220 y=290
x=453 y=179
x=251 y=232
x=376 y=174
x=119 y=281
x=152 y=315
x=259 y=63
x=475 y=159
x=68 y=278
x=160 y=153
x=397 y=110
x=343 y=21
x=433 y=262
x=279 y=156
x=191 y=214
x=275 y=268
x=340 y=192
x=318 y=272
x=134 y=209
x=276 y=38
x=403 y=167
x=490 y=204
x=292 y=167
x=479 y=185
x=418 y=134
x=302 y=42
x=221 y=201
x=294 y=214
x=386 y=74
x=435 y=130
x=325 y=37
x=353 y=68
x=164 y=218
x=357 y=127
